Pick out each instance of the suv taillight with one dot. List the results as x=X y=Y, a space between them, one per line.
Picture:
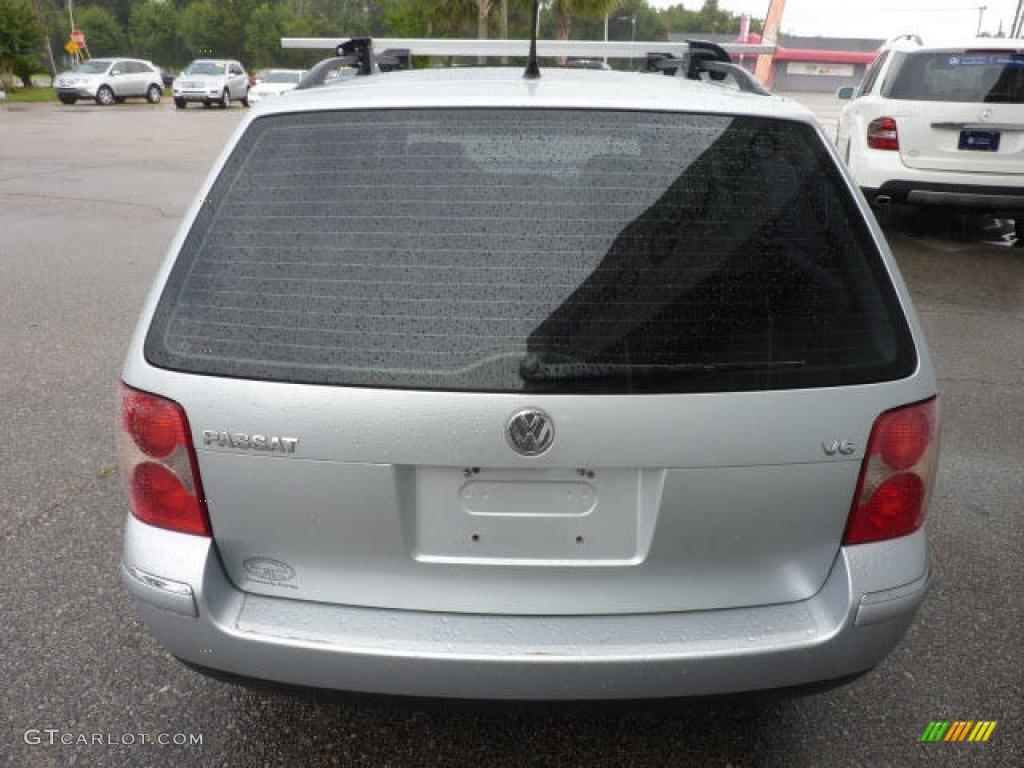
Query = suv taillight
x=897 y=474
x=158 y=464
x=882 y=134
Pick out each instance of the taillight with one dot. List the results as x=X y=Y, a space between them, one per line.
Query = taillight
x=882 y=134
x=158 y=464
x=897 y=474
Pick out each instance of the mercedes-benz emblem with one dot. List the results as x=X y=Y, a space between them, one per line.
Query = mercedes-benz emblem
x=530 y=432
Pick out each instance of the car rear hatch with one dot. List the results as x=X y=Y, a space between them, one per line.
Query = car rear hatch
x=960 y=110
x=686 y=312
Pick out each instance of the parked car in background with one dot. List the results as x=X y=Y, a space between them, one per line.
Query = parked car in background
x=274 y=82
x=607 y=386
x=110 y=81
x=167 y=77
x=212 y=81
x=939 y=125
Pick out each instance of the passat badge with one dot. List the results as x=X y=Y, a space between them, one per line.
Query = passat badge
x=272 y=444
x=530 y=432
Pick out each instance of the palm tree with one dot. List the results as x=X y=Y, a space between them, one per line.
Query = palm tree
x=564 y=10
x=483 y=10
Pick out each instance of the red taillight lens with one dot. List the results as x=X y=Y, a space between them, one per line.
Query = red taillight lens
x=904 y=437
x=896 y=475
x=153 y=423
x=882 y=134
x=158 y=464
x=160 y=498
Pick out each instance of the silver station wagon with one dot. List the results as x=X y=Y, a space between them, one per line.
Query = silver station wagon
x=588 y=385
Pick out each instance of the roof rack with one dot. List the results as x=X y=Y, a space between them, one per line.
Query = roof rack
x=907 y=36
x=706 y=58
x=695 y=58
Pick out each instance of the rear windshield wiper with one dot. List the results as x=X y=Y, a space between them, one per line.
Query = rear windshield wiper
x=532 y=369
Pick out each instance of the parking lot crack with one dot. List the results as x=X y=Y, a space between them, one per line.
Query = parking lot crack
x=100 y=200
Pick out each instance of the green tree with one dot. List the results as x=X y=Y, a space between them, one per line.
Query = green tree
x=430 y=18
x=409 y=18
x=204 y=31
x=564 y=11
x=153 y=31
x=263 y=33
x=119 y=9
x=710 y=19
x=20 y=35
x=103 y=33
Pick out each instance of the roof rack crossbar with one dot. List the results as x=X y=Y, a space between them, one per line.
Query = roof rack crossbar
x=906 y=36
x=746 y=81
x=693 y=59
x=318 y=74
x=705 y=58
x=442 y=46
x=394 y=59
x=356 y=52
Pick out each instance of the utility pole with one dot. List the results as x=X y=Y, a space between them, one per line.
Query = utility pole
x=77 y=55
x=981 y=14
x=1018 y=18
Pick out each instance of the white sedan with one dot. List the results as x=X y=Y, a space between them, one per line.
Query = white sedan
x=274 y=82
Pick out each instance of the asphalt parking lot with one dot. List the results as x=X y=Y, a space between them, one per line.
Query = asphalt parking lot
x=90 y=198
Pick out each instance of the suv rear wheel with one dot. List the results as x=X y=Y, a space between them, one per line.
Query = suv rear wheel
x=104 y=96
x=180 y=103
x=153 y=94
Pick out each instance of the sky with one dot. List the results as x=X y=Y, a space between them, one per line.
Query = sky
x=933 y=20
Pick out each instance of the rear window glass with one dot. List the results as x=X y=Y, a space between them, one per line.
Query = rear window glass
x=531 y=250
x=959 y=76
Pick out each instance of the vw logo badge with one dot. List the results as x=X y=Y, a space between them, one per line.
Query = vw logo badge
x=530 y=432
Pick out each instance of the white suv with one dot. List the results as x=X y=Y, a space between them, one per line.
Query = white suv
x=939 y=125
x=110 y=81
x=212 y=81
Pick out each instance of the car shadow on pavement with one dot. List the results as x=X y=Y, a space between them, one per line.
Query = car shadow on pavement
x=362 y=729
x=958 y=226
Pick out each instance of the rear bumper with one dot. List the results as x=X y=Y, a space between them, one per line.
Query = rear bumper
x=978 y=196
x=882 y=173
x=860 y=613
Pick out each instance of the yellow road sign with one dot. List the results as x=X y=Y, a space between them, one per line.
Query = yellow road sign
x=70 y=47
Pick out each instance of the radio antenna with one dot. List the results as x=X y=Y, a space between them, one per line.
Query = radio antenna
x=532 y=70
